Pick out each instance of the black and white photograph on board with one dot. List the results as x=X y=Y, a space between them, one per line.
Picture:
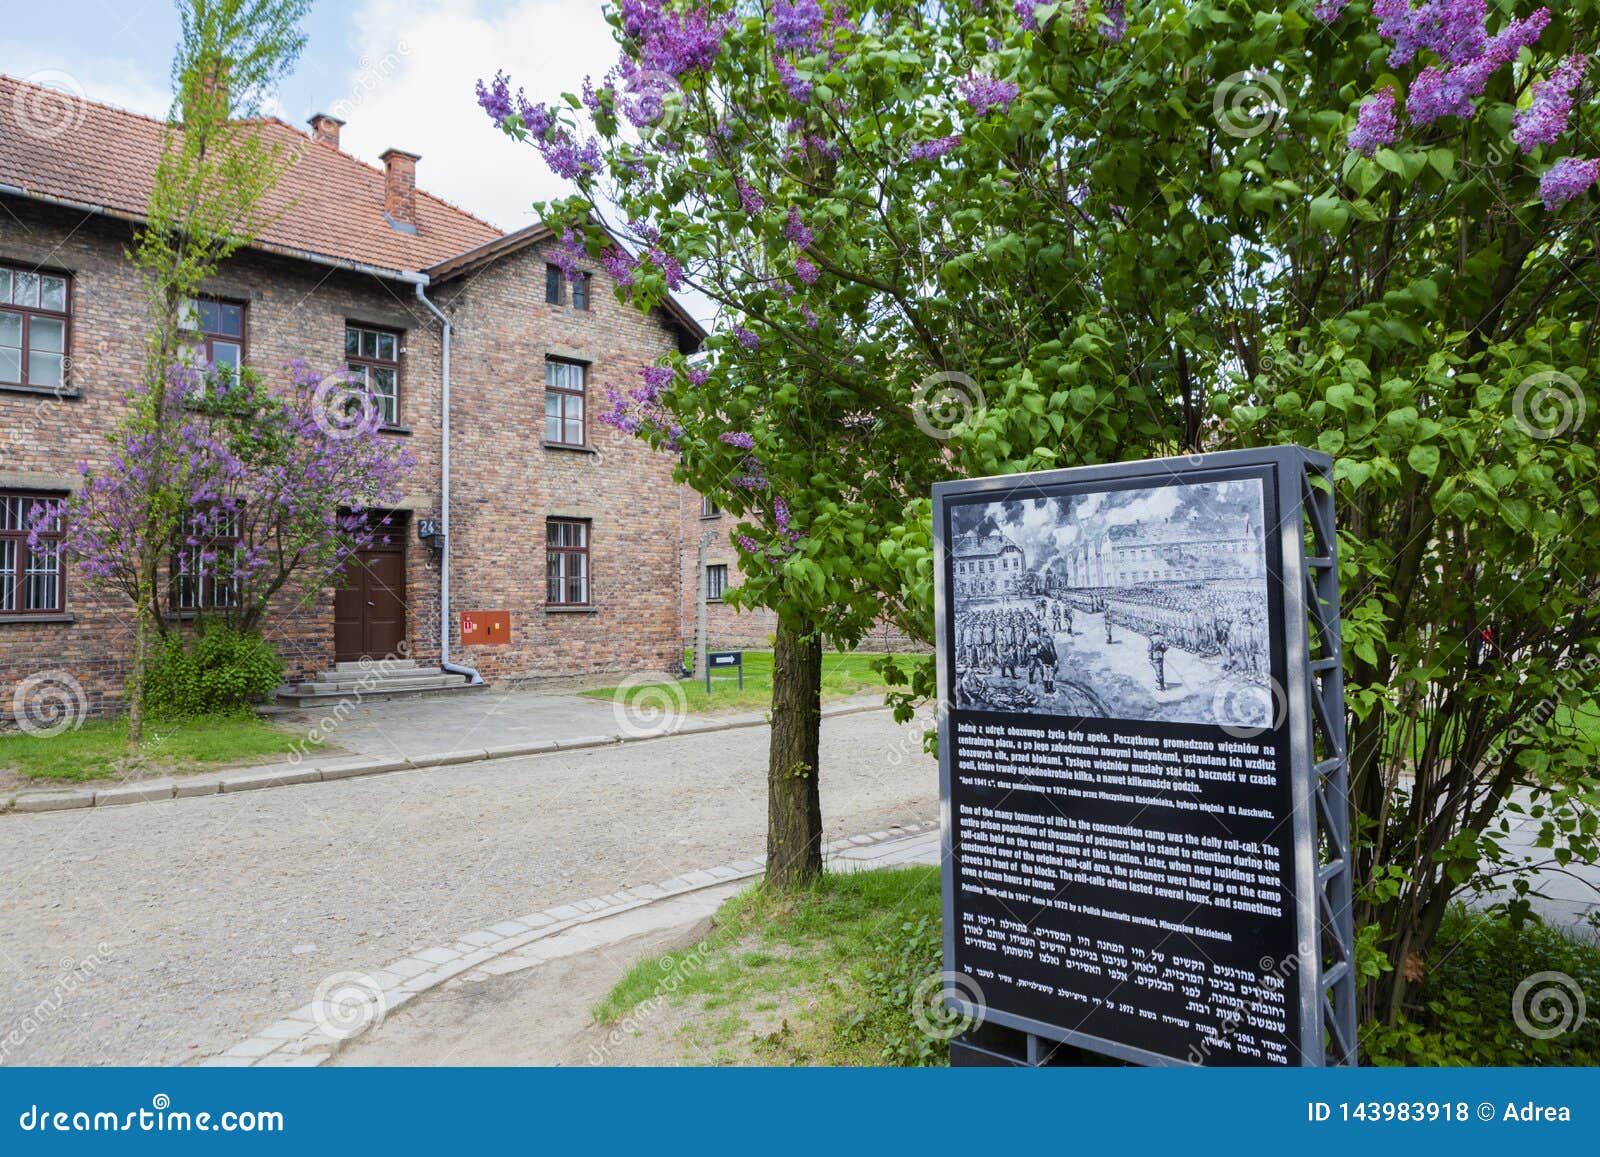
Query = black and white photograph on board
x=1142 y=604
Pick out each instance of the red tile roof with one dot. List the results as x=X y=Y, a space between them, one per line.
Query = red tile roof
x=327 y=203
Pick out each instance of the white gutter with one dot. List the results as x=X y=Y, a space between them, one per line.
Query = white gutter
x=444 y=491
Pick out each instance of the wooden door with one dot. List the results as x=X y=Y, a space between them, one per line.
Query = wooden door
x=369 y=610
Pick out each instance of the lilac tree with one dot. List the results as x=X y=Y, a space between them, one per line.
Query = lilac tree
x=206 y=203
x=275 y=485
x=1053 y=234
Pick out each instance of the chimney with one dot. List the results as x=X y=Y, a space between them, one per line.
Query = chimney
x=325 y=128
x=207 y=91
x=400 y=189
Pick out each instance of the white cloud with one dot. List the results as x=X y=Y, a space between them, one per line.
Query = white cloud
x=115 y=81
x=414 y=65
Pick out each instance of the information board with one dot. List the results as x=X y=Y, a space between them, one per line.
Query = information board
x=1126 y=758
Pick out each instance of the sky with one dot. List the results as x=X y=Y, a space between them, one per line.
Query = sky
x=399 y=72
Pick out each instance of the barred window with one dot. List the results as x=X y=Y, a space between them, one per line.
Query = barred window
x=567 y=562
x=716 y=582
x=205 y=575
x=30 y=576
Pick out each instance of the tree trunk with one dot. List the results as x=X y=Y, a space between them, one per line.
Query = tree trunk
x=136 y=678
x=794 y=807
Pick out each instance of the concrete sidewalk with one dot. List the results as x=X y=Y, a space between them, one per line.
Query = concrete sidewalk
x=384 y=736
x=590 y=943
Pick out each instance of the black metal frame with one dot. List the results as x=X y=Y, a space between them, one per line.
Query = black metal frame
x=1318 y=757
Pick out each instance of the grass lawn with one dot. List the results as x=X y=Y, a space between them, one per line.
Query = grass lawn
x=843 y=675
x=99 y=749
x=844 y=975
x=823 y=978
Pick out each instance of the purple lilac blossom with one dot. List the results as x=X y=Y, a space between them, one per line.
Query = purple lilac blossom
x=618 y=265
x=1440 y=91
x=1115 y=25
x=749 y=199
x=738 y=440
x=931 y=150
x=495 y=98
x=1568 y=179
x=795 y=229
x=746 y=338
x=805 y=271
x=799 y=89
x=566 y=256
x=568 y=160
x=1328 y=11
x=1453 y=30
x=1376 y=123
x=983 y=93
x=1543 y=121
x=673 y=42
x=795 y=25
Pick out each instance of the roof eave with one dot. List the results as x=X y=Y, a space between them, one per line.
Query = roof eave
x=413 y=277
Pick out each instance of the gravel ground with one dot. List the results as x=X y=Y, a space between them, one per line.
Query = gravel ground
x=162 y=933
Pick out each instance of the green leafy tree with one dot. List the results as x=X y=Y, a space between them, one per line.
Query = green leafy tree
x=1112 y=230
x=208 y=201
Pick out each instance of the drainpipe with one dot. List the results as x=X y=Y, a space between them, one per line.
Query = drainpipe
x=471 y=674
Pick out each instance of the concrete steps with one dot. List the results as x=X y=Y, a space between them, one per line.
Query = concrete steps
x=386 y=679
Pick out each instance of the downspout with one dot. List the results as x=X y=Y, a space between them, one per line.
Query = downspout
x=471 y=674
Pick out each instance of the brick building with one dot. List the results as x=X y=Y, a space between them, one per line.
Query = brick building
x=564 y=526
x=727 y=627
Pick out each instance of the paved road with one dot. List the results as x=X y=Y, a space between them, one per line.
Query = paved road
x=489 y=717
x=163 y=932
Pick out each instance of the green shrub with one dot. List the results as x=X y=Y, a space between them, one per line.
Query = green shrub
x=217 y=671
x=1466 y=1016
x=900 y=997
